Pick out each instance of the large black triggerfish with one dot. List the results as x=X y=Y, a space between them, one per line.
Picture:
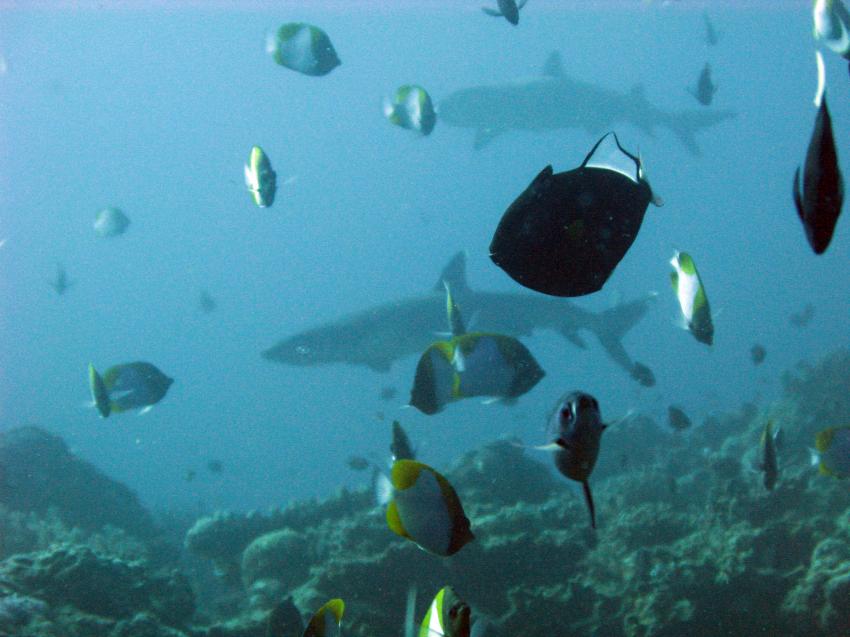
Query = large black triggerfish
x=565 y=234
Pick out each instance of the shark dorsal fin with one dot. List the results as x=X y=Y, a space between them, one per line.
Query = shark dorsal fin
x=553 y=67
x=454 y=275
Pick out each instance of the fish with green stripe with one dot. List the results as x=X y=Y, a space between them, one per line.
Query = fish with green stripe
x=687 y=284
x=137 y=385
x=327 y=621
x=260 y=179
x=447 y=616
x=831 y=454
x=304 y=48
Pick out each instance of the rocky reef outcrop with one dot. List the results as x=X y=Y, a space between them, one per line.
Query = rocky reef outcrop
x=38 y=473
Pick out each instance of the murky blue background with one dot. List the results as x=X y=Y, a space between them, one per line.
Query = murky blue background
x=155 y=110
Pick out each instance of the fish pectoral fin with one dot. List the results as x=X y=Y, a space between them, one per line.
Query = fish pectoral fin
x=798 y=197
x=493 y=12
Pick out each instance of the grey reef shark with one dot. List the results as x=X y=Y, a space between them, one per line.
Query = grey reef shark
x=379 y=336
x=557 y=101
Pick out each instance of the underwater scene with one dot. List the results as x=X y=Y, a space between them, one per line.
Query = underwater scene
x=489 y=318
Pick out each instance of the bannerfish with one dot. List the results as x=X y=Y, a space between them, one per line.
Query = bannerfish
x=411 y=108
x=136 y=385
x=768 y=462
x=693 y=301
x=758 y=354
x=832 y=452
x=832 y=26
x=327 y=621
x=819 y=202
x=677 y=418
x=579 y=424
x=304 y=48
x=448 y=616
x=471 y=364
x=400 y=447
x=508 y=9
x=111 y=222
x=260 y=179
x=60 y=282
x=705 y=88
x=425 y=509
x=284 y=620
x=565 y=233
x=642 y=374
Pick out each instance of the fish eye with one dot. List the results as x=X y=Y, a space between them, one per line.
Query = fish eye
x=453 y=612
x=567 y=413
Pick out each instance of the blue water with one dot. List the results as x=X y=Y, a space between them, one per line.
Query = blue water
x=155 y=109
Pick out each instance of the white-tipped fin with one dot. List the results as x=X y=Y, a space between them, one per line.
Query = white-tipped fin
x=383 y=489
x=145 y=410
x=821 y=79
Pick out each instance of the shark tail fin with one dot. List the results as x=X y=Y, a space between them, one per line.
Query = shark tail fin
x=454 y=276
x=611 y=325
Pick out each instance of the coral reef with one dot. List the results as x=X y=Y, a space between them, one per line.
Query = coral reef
x=689 y=542
x=38 y=472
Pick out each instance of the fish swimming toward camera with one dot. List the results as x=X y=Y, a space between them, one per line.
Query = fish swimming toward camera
x=693 y=302
x=643 y=374
x=557 y=101
x=60 y=282
x=471 y=364
x=260 y=179
x=508 y=9
x=111 y=222
x=447 y=616
x=425 y=509
x=819 y=202
x=832 y=26
x=378 y=336
x=705 y=88
x=411 y=108
x=327 y=621
x=128 y=386
x=578 y=421
x=757 y=354
x=566 y=232
x=304 y=48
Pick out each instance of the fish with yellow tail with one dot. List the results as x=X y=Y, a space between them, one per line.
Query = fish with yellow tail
x=327 y=621
x=831 y=454
x=425 y=509
x=578 y=421
x=693 y=301
x=471 y=364
x=447 y=616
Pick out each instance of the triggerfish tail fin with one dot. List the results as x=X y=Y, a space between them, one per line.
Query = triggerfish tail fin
x=590 y=507
x=99 y=393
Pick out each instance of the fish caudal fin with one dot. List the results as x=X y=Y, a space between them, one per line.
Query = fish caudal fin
x=613 y=324
x=588 y=497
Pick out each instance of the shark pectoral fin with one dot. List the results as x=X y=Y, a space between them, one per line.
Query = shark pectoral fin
x=483 y=136
x=492 y=12
x=454 y=275
x=589 y=499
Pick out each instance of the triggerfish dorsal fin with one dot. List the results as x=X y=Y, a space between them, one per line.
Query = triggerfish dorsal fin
x=327 y=620
x=454 y=273
x=453 y=313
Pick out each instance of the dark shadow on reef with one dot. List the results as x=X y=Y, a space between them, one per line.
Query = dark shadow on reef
x=689 y=542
